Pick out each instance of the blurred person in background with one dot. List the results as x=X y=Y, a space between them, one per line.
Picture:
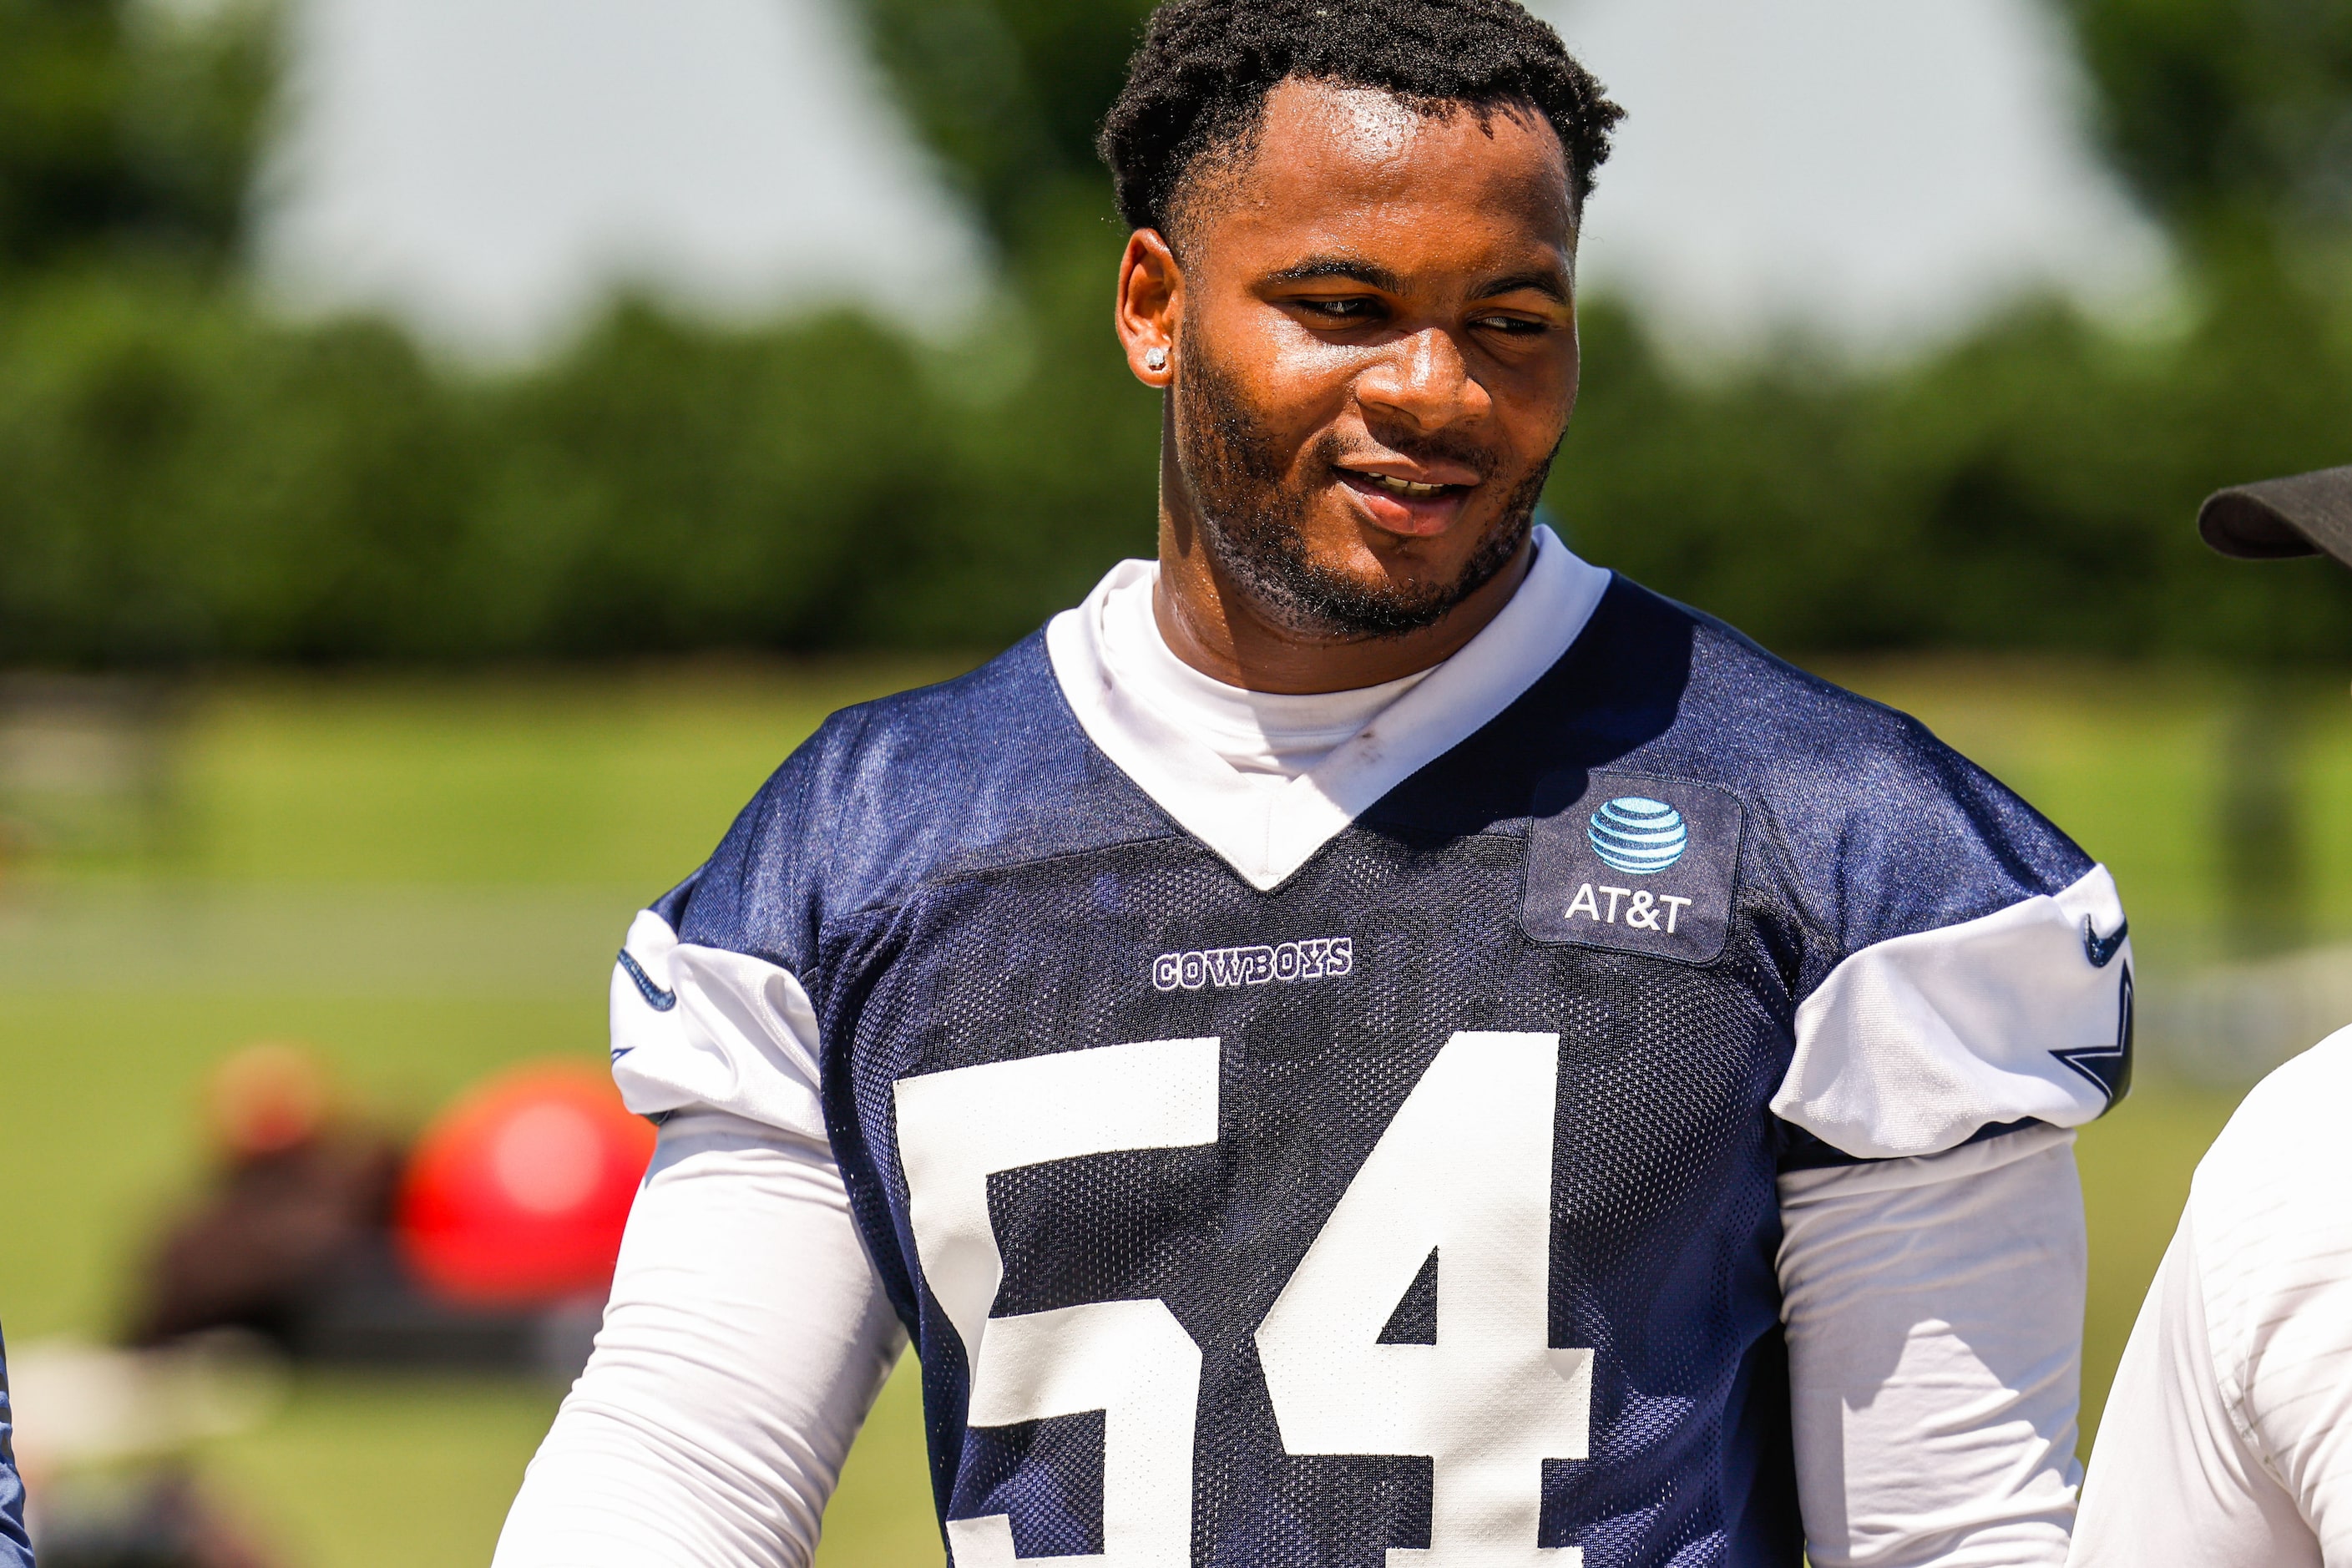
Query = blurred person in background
x=480 y=1243
x=2227 y=1441
x=301 y=1197
x=160 y=1517
x=1369 y=1035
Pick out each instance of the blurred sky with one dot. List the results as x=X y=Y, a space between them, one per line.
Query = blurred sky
x=1885 y=170
x=489 y=168
x=1881 y=171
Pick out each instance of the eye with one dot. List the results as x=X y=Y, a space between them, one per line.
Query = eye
x=1340 y=312
x=1513 y=326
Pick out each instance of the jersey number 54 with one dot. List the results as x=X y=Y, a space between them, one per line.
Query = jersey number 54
x=1464 y=1171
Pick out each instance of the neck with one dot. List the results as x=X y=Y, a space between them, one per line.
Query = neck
x=1213 y=624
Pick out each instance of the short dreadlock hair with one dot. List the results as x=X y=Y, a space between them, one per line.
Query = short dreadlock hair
x=1198 y=83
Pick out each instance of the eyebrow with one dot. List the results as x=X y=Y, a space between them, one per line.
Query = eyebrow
x=1548 y=284
x=1316 y=269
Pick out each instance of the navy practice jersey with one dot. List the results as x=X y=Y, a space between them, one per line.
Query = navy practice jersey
x=1419 y=1212
x=15 y=1545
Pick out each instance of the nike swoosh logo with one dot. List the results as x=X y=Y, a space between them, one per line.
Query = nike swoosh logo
x=2102 y=950
x=662 y=1001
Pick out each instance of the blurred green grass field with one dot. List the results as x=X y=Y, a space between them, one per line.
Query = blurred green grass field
x=425 y=879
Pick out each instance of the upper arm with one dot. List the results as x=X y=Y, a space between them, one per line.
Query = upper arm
x=1965 y=1001
x=745 y=1339
x=1968 y=966
x=747 y=1333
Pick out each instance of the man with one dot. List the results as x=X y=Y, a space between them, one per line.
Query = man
x=1370 y=1040
x=2227 y=1441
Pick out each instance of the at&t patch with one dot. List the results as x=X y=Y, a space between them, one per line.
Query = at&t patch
x=1633 y=862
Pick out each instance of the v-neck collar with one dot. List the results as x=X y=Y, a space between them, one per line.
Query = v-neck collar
x=1266 y=833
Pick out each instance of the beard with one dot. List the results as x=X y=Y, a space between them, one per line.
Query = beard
x=1252 y=513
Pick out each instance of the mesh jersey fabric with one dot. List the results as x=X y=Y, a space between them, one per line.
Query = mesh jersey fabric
x=961 y=880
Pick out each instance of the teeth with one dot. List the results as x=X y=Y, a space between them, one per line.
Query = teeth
x=1406 y=487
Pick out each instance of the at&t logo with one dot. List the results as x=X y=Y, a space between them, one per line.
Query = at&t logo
x=1638 y=837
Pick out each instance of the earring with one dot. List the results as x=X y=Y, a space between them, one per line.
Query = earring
x=1155 y=360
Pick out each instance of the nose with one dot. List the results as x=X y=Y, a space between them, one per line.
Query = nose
x=1423 y=380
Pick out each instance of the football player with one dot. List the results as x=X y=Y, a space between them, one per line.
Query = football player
x=1370 y=1040
x=2227 y=1441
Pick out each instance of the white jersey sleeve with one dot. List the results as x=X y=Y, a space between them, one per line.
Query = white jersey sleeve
x=1933 y=1312
x=2228 y=1439
x=715 y=1030
x=1916 y=1043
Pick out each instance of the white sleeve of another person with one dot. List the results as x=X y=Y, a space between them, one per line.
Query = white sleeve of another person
x=2174 y=1480
x=2228 y=1439
x=746 y=1334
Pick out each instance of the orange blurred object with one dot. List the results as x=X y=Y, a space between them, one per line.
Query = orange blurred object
x=517 y=1194
x=267 y=1098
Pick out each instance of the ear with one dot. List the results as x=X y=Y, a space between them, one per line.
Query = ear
x=1150 y=307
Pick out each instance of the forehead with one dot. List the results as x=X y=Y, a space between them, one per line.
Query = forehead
x=1358 y=168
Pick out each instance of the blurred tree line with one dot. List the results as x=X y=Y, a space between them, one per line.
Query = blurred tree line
x=182 y=478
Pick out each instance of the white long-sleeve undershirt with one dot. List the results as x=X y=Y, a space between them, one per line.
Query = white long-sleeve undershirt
x=1266 y=738
x=1934 y=1310
x=745 y=1338
x=1933 y=1304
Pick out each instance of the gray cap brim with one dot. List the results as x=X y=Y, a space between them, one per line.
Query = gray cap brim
x=2309 y=515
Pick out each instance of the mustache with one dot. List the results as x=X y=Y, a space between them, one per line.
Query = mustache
x=1334 y=450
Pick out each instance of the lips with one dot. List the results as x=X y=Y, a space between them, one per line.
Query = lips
x=1418 y=506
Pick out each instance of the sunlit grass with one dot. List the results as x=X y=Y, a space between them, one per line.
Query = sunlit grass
x=619 y=781
x=370 y=1471
x=2136 y=1167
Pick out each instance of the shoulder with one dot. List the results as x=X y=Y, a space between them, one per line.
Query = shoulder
x=966 y=730
x=987 y=767
x=1958 y=964
x=2282 y=1153
x=1875 y=827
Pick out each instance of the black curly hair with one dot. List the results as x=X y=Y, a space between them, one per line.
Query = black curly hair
x=1198 y=83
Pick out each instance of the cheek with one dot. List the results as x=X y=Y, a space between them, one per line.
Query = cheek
x=1534 y=406
x=1300 y=385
